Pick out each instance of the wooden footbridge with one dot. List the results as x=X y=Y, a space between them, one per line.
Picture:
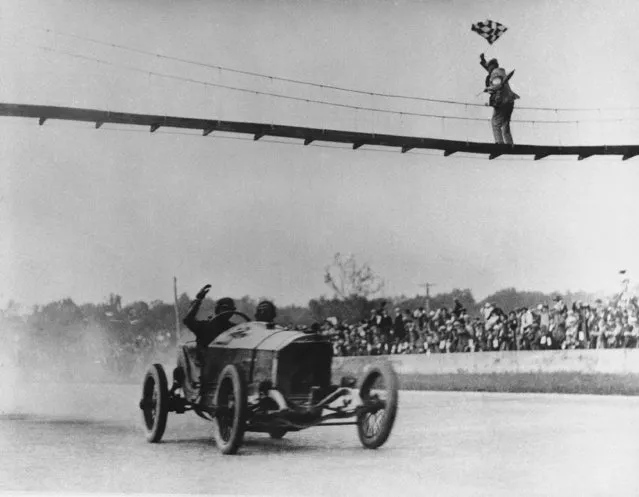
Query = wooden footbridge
x=309 y=135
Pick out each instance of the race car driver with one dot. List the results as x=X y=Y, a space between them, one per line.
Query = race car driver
x=207 y=330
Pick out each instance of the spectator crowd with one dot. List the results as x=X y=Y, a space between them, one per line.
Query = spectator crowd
x=548 y=326
x=76 y=343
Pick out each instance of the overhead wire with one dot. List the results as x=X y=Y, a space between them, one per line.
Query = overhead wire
x=308 y=83
x=311 y=100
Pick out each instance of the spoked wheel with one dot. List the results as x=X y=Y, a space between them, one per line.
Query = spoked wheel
x=379 y=394
x=277 y=433
x=155 y=403
x=230 y=413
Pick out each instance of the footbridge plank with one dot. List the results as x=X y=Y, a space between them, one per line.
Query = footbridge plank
x=44 y=113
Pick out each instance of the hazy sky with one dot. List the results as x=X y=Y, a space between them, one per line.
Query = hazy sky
x=86 y=212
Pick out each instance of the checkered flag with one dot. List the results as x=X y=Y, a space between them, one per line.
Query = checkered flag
x=491 y=30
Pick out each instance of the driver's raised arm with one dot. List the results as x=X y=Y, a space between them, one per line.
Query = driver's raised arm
x=190 y=320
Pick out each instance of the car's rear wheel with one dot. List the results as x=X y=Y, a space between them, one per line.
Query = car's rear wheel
x=277 y=433
x=379 y=394
x=230 y=410
x=155 y=403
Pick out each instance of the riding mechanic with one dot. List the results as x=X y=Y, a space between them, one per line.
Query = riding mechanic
x=266 y=312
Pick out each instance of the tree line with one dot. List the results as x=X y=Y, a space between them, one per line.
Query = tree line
x=62 y=320
x=355 y=295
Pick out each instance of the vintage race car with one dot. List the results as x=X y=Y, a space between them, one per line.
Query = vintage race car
x=259 y=377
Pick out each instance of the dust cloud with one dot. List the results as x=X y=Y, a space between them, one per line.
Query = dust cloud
x=73 y=380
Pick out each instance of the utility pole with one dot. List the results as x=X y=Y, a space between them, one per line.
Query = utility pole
x=625 y=285
x=427 y=286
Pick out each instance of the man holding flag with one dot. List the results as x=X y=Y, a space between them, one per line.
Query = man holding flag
x=502 y=99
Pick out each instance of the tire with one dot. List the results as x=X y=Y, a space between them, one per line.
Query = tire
x=155 y=403
x=230 y=416
x=374 y=428
x=277 y=433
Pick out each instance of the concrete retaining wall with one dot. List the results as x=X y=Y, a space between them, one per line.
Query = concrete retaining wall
x=611 y=361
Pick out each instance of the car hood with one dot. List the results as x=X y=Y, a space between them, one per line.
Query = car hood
x=259 y=335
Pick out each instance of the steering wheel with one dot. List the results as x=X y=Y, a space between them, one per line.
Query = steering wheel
x=231 y=313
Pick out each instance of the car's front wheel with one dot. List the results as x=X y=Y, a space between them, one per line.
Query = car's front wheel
x=155 y=403
x=230 y=410
x=379 y=394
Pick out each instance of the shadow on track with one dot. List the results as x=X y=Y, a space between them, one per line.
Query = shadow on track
x=251 y=446
x=66 y=422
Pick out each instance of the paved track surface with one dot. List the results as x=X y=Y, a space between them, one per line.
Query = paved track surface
x=87 y=438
